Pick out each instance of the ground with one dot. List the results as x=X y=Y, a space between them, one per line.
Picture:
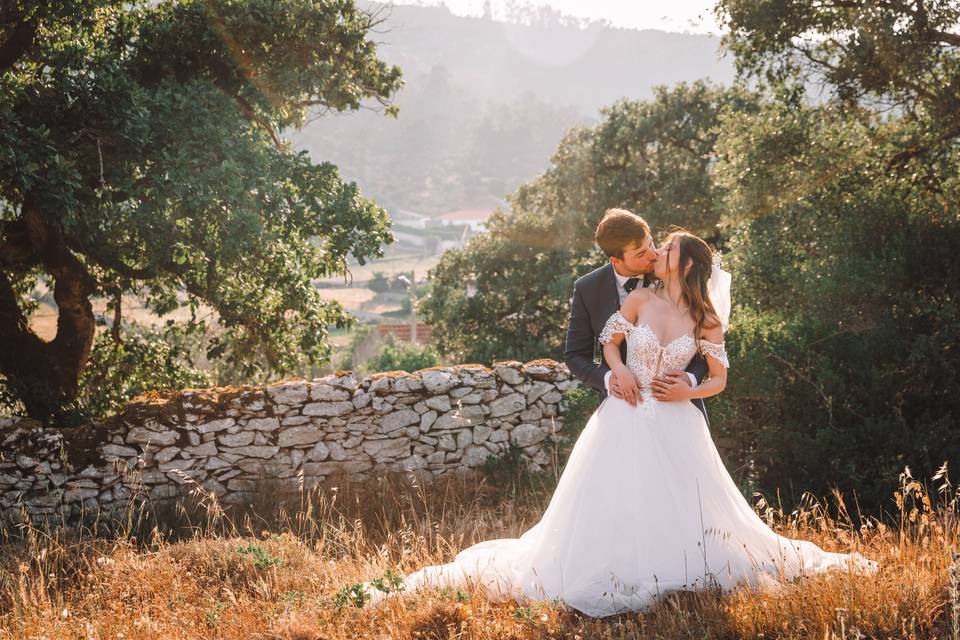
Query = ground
x=294 y=573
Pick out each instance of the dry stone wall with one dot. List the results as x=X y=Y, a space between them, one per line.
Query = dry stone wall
x=230 y=440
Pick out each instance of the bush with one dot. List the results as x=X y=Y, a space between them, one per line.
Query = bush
x=360 y=334
x=405 y=356
x=580 y=403
x=144 y=361
x=842 y=349
x=378 y=283
x=402 y=312
x=399 y=286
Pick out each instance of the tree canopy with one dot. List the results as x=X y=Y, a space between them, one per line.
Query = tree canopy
x=895 y=57
x=841 y=341
x=142 y=152
x=842 y=227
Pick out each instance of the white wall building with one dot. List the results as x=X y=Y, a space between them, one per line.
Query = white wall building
x=476 y=219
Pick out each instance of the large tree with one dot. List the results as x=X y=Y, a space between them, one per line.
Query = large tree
x=897 y=57
x=844 y=369
x=142 y=151
x=842 y=218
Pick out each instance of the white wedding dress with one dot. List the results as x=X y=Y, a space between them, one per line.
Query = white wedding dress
x=644 y=506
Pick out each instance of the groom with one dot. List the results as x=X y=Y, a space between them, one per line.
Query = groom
x=625 y=238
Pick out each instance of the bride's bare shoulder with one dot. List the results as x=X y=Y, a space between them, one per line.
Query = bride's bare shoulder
x=712 y=332
x=637 y=298
x=641 y=294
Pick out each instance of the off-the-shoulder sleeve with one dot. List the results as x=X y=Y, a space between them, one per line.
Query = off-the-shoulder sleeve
x=718 y=351
x=615 y=324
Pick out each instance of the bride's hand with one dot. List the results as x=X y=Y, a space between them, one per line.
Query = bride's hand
x=625 y=383
x=615 y=389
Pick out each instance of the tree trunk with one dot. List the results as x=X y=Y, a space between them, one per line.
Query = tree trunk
x=44 y=375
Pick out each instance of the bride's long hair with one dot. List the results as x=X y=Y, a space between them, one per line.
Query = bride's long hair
x=693 y=280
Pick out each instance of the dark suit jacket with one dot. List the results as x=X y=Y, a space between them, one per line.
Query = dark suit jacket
x=595 y=298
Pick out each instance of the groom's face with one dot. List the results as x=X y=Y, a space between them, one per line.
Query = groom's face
x=638 y=258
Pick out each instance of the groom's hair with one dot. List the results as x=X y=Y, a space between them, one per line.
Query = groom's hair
x=619 y=228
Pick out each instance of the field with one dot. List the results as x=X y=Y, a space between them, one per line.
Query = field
x=291 y=572
x=389 y=265
x=354 y=296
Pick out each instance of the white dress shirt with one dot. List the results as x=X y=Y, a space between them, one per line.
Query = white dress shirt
x=621 y=279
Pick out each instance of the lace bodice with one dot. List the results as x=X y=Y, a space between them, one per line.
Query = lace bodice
x=648 y=358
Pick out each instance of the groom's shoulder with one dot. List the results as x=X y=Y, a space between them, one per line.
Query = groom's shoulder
x=589 y=279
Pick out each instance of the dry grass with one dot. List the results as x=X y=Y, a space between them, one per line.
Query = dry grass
x=217 y=575
x=391 y=264
x=43 y=321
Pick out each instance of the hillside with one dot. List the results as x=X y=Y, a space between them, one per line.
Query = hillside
x=485 y=102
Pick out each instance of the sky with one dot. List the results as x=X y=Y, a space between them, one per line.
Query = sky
x=691 y=16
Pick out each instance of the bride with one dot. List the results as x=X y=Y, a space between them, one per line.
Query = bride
x=644 y=505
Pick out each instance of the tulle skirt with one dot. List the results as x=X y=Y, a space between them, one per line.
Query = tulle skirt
x=644 y=506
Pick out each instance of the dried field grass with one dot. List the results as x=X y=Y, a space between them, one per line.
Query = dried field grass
x=287 y=571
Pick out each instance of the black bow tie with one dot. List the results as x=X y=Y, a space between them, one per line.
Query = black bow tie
x=631 y=284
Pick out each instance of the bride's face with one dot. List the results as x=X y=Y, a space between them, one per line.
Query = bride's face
x=669 y=259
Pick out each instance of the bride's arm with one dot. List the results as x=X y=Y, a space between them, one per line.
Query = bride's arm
x=614 y=332
x=711 y=343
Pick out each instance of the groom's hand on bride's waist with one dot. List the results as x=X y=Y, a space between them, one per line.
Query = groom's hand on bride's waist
x=674 y=385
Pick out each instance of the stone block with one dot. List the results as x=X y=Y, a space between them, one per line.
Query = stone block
x=252 y=451
x=398 y=420
x=263 y=424
x=139 y=435
x=328 y=408
x=321 y=392
x=438 y=381
x=439 y=403
x=289 y=393
x=213 y=426
x=236 y=440
x=509 y=372
x=512 y=403
x=480 y=433
x=295 y=436
x=526 y=434
x=474 y=455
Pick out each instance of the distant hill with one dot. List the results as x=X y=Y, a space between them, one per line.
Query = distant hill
x=485 y=103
